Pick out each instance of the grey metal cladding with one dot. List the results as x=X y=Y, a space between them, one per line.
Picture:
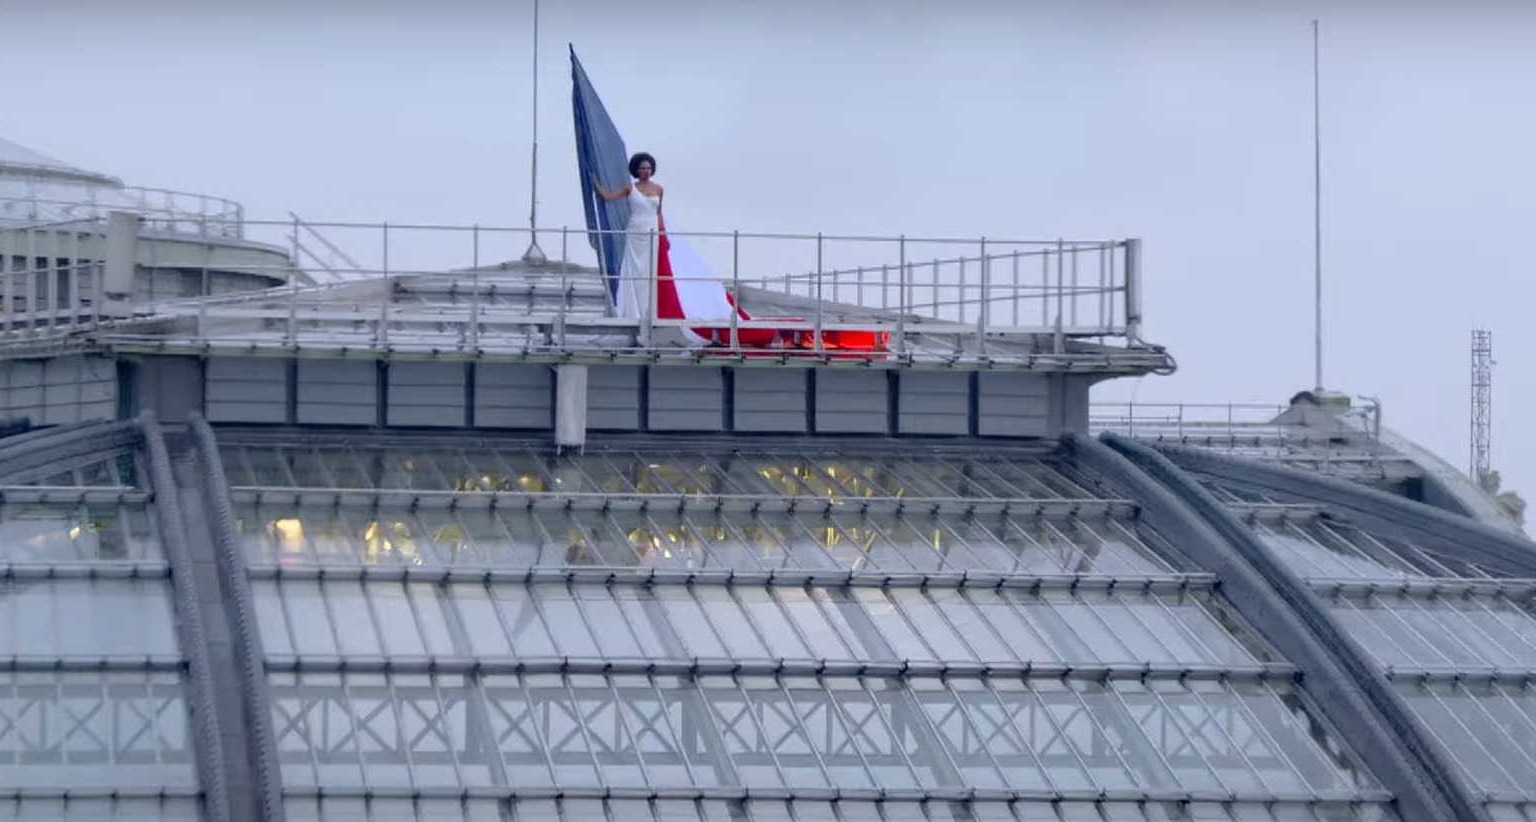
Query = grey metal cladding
x=169 y=385
x=770 y=400
x=933 y=402
x=61 y=390
x=613 y=397
x=852 y=402
x=686 y=399
x=338 y=392
x=246 y=389
x=1013 y=405
x=514 y=396
x=426 y=394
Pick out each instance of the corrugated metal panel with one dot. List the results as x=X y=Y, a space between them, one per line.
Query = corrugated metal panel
x=1074 y=404
x=514 y=396
x=246 y=389
x=613 y=398
x=338 y=392
x=770 y=399
x=934 y=403
x=1013 y=405
x=852 y=402
x=426 y=393
x=687 y=398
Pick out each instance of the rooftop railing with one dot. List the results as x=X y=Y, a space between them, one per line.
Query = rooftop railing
x=161 y=209
x=971 y=297
x=1220 y=421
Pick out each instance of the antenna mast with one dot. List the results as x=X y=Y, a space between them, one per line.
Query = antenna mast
x=1317 y=212
x=1482 y=404
x=534 y=254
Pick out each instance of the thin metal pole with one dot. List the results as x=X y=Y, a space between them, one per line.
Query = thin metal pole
x=735 y=289
x=474 y=290
x=202 y=305
x=5 y=277
x=959 y=303
x=1061 y=260
x=1317 y=208
x=901 y=294
x=383 y=333
x=565 y=286
x=1074 y=286
x=817 y=333
x=534 y=254
x=981 y=316
x=650 y=291
x=1015 y=287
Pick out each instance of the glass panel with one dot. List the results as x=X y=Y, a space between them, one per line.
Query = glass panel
x=1021 y=639
x=429 y=613
x=750 y=748
x=1446 y=723
x=689 y=622
x=481 y=623
x=888 y=619
x=269 y=617
x=349 y=611
x=970 y=623
x=648 y=622
x=89 y=730
x=609 y=624
x=728 y=620
x=529 y=635
x=762 y=605
x=820 y=635
x=397 y=623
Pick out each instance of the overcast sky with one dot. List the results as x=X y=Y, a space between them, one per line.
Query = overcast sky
x=1188 y=125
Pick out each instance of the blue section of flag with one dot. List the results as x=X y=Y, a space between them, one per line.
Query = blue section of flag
x=600 y=152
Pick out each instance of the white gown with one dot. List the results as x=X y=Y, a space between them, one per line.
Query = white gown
x=639 y=264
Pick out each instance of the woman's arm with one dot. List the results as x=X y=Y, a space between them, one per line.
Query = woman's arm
x=610 y=196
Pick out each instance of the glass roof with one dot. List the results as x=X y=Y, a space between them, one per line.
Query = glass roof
x=92 y=693
x=444 y=614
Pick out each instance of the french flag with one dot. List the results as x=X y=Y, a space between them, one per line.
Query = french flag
x=685 y=288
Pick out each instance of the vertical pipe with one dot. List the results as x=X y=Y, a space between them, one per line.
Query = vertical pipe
x=885 y=286
x=736 y=290
x=1133 y=289
x=73 y=298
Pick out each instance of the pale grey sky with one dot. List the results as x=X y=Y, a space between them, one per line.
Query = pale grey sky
x=1185 y=124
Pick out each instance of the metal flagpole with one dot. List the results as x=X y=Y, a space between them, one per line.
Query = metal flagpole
x=534 y=254
x=1317 y=213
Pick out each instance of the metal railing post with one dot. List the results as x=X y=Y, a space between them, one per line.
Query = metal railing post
x=1075 y=291
x=981 y=315
x=1015 y=287
x=565 y=285
x=649 y=314
x=204 y=292
x=735 y=290
x=1133 y=290
x=386 y=291
x=1061 y=273
x=474 y=289
x=31 y=290
x=901 y=295
x=5 y=277
x=960 y=302
x=817 y=333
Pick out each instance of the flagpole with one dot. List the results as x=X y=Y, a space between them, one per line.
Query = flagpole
x=534 y=254
x=1317 y=213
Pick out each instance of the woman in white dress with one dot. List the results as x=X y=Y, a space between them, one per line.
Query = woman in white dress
x=642 y=237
